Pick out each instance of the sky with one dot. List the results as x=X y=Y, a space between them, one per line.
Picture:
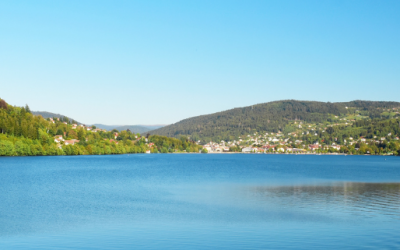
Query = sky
x=158 y=62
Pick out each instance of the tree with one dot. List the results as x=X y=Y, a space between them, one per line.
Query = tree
x=72 y=134
x=81 y=135
x=27 y=109
x=44 y=137
x=32 y=132
x=3 y=104
x=60 y=132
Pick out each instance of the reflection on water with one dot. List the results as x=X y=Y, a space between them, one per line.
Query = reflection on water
x=364 y=199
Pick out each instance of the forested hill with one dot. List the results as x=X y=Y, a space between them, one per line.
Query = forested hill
x=269 y=117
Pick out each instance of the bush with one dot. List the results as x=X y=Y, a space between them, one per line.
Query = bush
x=6 y=148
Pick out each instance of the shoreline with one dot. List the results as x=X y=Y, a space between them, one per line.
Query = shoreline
x=219 y=153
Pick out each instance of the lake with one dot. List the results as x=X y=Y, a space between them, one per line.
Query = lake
x=200 y=201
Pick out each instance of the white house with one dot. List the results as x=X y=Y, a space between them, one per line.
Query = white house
x=71 y=142
x=247 y=150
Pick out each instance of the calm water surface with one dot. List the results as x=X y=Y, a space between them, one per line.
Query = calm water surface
x=192 y=201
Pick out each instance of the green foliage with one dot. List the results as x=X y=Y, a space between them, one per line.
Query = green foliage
x=167 y=144
x=6 y=148
x=235 y=149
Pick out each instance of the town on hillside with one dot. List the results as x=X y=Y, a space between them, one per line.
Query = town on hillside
x=340 y=136
x=279 y=143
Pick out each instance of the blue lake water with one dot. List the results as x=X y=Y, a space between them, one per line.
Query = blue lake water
x=200 y=201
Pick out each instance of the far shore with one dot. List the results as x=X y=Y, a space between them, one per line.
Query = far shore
x=216 y=153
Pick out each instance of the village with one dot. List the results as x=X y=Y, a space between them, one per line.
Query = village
x=279 y=143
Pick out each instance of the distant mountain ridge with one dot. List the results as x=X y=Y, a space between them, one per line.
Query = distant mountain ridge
x=133 y=128
x=265 y=117
x=46 y=115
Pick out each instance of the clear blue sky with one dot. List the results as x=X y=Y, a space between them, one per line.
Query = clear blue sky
x=157 y=62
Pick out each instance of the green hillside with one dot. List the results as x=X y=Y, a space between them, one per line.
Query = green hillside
x=25 y=134
x=273 y=117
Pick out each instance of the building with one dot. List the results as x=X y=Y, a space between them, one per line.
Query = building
x=71 y=142
x=298 y=150
x=247 y=150
x=313 y=147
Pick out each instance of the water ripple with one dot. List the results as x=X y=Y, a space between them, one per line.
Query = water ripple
x=358 y=199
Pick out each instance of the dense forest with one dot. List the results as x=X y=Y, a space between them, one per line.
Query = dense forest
x=267 y=117
x=25 y=134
